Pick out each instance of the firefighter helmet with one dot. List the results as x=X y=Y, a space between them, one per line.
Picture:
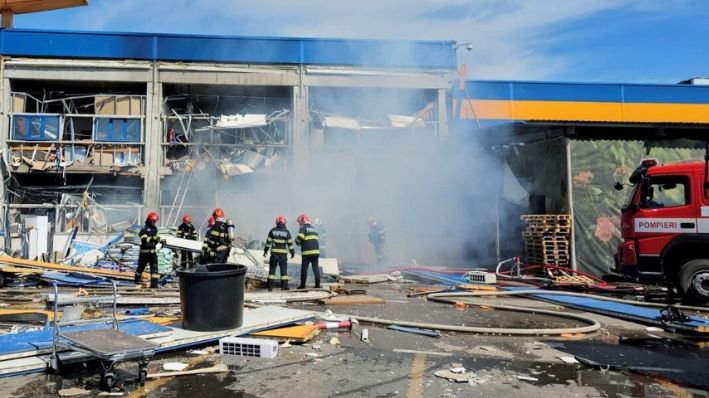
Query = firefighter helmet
x=280 y=220
x=218 y=213
x=186 y=218
x=303 y=219
x=152 y=217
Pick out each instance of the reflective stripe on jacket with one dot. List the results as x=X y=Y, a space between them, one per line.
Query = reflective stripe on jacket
x=307 y=239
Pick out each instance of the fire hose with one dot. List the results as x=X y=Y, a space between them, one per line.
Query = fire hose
x=592 y=326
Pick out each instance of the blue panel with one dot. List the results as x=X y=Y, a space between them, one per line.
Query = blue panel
x=28 y=341
x=380 y=53
x=676 y=94
x=566 y=92
x=587 y=92
x=76 y=45
x=487 y=90
x=228 y=49
x=142 y=46
x=35 y=127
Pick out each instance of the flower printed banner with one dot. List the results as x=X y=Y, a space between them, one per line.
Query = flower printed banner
x=595 y=167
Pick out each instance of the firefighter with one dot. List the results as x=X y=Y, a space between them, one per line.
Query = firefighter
x=217 y=242
x=280 y=242
x=149 y=238
x=322 y=236
x=307 y=239
x=376 y=238
x=186 y=231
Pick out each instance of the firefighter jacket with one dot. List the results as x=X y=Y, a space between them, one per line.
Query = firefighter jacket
x=307 y=239
x=279 y=241
x=187 y=231
x=217 y=239
x=149 y=239
x=376 y=234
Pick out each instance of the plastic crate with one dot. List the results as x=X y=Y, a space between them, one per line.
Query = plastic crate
x=480 y=277
x=247 y=347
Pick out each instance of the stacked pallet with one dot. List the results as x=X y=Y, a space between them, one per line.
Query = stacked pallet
x=547 y=239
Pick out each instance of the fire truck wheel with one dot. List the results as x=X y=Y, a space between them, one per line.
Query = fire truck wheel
x=693 y=281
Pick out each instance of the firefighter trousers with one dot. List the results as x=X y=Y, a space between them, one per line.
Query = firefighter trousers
x=307 y=261
x=145 y=259
x=221 y=257
x=186 y=259
x=280 y=261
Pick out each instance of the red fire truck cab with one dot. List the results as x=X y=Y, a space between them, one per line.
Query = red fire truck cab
x=665 y=227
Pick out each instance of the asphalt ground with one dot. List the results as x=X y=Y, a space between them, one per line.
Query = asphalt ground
x=401 y=364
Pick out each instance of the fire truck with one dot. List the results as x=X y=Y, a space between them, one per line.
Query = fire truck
x=665 y=227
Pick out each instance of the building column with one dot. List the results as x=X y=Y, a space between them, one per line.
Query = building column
x=6 y=106
x=570 y=196
x=301 y=122
x=152 y=148
x=442 y=115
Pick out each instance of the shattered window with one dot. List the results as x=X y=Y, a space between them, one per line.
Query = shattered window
x=35 y=127
x=117 y=130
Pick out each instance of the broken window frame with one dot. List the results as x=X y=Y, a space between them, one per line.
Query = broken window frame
x=66 y=138
x=28 y=121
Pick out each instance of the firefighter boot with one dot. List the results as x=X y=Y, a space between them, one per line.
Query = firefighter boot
x=284 y=284
x=270 y=284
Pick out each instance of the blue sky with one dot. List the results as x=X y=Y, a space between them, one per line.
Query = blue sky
x=650 y=41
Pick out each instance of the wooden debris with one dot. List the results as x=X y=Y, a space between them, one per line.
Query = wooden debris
x=478 y=287
x=67 y=268
x=73 y=392
x=221 y=368
x=365 y=279
x=341 y=289
x=297 y=334
x=356 y=299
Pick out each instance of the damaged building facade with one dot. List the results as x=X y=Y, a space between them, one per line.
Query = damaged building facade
x=99 y=128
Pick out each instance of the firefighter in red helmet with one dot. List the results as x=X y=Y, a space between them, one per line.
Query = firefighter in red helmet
x=217 y=241
x=280 y=242
x=307 y=239
x=186 y=231
x=149 y=238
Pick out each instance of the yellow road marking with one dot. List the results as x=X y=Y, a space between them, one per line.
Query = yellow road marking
x=418 y=367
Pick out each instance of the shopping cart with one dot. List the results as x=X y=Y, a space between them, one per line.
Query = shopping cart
x=106 y=344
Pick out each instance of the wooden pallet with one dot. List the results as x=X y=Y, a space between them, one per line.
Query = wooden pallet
x=545 y=217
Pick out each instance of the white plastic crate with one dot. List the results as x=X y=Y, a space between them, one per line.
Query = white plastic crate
x=247 y=347
x=480 y=277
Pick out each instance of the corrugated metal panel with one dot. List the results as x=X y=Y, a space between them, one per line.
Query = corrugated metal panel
x=145 y=46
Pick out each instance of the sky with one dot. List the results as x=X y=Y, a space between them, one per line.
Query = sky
x=644 y=41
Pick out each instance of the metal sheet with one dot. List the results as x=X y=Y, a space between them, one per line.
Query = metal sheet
x=260 y=50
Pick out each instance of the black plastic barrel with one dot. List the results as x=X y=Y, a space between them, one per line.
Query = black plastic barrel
x=212 y=297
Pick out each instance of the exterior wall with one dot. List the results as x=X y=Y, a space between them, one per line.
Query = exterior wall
x=154 y=76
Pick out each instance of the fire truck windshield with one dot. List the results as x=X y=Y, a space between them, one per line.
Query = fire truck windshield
x=631 y=195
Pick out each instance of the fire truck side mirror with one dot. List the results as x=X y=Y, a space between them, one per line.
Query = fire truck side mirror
x=618 y=186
